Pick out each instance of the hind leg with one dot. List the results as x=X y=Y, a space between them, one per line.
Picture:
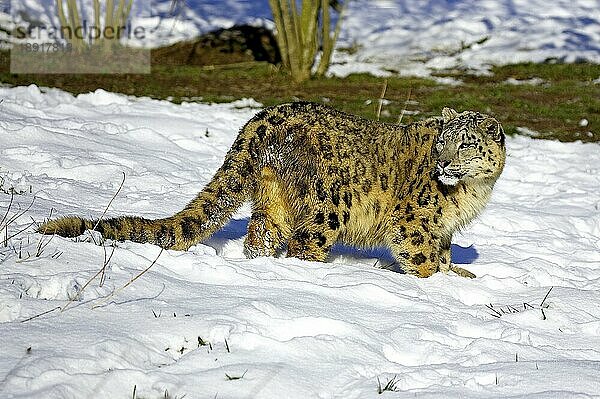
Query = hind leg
x=269 y=226
x=264 y=235
x=313 y=238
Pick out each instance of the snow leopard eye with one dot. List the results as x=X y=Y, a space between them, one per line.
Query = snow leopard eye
x=439 y=146
x=464 y=146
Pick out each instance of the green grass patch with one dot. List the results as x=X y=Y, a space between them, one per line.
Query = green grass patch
x=565 y=95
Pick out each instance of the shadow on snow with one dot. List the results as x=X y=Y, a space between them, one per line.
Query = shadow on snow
x=236 y=229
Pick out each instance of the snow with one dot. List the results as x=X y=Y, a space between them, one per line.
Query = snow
x=208 y=323
x=518 y=82
x=402 y=36
x=291 y=328
x=416 y=37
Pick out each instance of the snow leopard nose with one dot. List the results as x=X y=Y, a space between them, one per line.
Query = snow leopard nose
x=440 y=166
x=443 y=164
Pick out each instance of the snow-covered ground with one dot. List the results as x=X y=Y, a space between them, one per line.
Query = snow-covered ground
x=405 y=36
x=197 y=320
x=208 y=323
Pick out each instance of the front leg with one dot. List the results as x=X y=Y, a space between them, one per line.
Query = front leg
x=446 y=261
x=445 y=255
x=416 y=248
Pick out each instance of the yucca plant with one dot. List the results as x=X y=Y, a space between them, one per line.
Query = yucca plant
x=304 y=29
x=115 y=17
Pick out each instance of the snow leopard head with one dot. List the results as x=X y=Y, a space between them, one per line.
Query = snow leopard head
x=470 y=147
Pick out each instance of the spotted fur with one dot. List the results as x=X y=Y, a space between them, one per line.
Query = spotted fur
x=316 y=176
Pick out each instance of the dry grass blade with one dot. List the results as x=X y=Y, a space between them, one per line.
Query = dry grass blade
x=381 y=98
x=391 y=385
x=20 y=213
x=110 y=202
x=106 y=262
x=542 y=307
x=12 y=197
x=81 y=290
x=129 y=282
x=41 y=314
x=43 y=242
x=9 y=237
x=404 y=107
x=546 y=297
x=8 y=220
x=495 y=313
x=501 y=310
x=234 y=377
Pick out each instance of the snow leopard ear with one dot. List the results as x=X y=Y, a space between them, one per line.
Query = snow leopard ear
x=493 y=129
x=448 y=113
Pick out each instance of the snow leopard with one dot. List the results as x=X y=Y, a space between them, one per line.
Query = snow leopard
x=316 y=176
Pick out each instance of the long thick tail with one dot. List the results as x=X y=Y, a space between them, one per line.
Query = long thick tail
x=210 y=210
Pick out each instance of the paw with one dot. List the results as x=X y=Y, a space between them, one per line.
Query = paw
x=462 y=272
x=252 y=251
